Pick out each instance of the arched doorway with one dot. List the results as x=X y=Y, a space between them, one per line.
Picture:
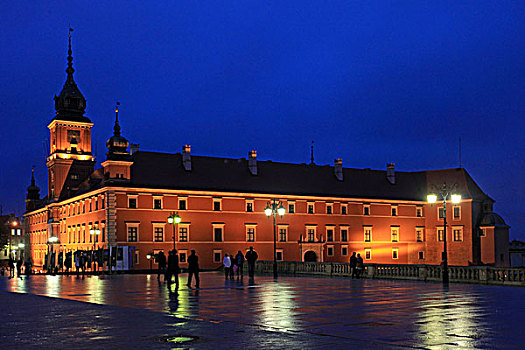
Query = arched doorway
x=310 y=256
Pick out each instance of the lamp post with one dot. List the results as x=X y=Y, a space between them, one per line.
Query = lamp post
x=174 y=219
x=432 y=198
x=274 y=206
x=94 y=232
x=150 y=261
x=14 y=224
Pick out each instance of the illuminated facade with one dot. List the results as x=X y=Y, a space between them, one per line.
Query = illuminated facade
x=331 y=211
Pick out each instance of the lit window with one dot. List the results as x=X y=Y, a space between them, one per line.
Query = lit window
x=133 y=233
x=394 y=233
x=158 y=234
x=368 y=254
x=183 y=233
x=250 y=233
x=419 y=234
x=310 y=234
x=283 y=233
x=440 y=235
x=368 y=233
x=457 y=234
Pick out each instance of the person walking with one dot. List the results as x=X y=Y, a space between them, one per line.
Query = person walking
x=173 y=268
x=161 y=260
x=193 y=269
x=227 y=263
x=360 y=265
x=353 y=265
x=251 y=258
x=239 y=259
x=19 y=264
x=11 y=264
x=77 y=261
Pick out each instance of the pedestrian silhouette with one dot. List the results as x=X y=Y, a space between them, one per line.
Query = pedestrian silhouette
x=193 y=269
x=251 y=258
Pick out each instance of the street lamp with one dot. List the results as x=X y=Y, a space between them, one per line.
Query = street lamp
x=174 y=219
x=274 y=206
x=149 y=256
x=432 y=198
x=94 y=231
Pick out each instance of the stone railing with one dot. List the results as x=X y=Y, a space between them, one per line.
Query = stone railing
x=461 y=274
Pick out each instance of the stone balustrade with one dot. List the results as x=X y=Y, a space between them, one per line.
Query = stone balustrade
x=460 y=274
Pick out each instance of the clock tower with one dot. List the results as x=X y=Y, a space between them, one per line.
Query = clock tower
x=70 y=160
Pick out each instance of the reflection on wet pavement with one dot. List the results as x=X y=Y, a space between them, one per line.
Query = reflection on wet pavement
x=391 y=313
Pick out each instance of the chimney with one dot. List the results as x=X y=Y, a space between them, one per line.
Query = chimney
x=134 y=147
x=338 y=169
x=186 y=157
x=252 y=162
x=390 y=173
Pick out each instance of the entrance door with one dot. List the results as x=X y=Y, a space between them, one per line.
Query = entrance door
x=310 y=256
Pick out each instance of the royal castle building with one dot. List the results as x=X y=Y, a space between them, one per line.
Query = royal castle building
x=331 y=211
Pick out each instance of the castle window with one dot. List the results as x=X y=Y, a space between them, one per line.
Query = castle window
x=184 y=232
x=419 y=212
x=291 y=208
x=132 y=202
x=419 y=234
x=310 y=208
x=367 y=233
x=183 y=204
x=344 y=235
x=249 y=206
x=344 y=209
x=366 y=209
x=329 y=208
x=395 y=253
x=217 y=204
x=157 y=203
x=394 y=210
x=394 y=233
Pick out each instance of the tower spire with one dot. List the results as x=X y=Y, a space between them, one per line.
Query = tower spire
x=312 y=153
x=70 y=70
x=116 y=128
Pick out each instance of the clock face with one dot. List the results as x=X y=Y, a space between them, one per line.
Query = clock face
x=73 y=135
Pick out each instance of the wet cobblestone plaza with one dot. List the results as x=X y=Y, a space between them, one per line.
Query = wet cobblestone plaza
x=135 y=311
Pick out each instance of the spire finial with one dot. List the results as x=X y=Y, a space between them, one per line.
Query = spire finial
x=33 y=176
x=69 y=69
x=116 y=128
x=312 y=153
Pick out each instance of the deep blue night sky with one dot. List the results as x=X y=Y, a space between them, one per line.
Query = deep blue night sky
x=370 y=83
